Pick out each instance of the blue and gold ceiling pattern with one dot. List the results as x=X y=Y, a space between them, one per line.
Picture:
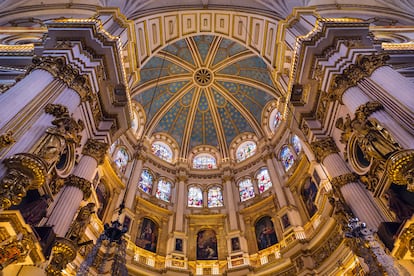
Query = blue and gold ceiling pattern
x=230 y=102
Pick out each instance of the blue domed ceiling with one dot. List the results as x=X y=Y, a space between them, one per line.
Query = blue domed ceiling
x=204 y=90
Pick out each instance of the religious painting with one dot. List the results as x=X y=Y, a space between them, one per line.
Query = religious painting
x=285 y=221
x=179 y=245
x=127 y=223
x=265 y=233
x=207 y=245
x=235 y=244
x=102 y=194
x=309 y=193
x=148 y=235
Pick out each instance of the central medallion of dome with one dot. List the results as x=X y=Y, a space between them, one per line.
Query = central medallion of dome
x=203 y=77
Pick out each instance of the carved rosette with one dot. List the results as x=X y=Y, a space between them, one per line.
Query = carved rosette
x=400 y=168
x=6 y=139
x=324 y=147
x=80 y=183
x=342 y=180
x=363 y=67
x=63 y=252
x=96 y=149
x=25 y=172
x=65 y=72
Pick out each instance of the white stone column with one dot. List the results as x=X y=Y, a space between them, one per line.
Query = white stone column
x=277 y=186
x=354 y=97
x=397 y=86
x=133 y=182
x=77 y=187
x=230 y=202
x=22 y=93
x=180 y=203
x=354 y=193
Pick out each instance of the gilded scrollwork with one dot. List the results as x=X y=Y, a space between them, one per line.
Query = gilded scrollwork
x=15 y=250
x=324 y=147
x=400 y=168
x=95 y=149
x=6 y=139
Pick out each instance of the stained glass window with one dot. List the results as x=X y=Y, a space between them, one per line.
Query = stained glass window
x=121 y=159
x=246 y=189
x=146 y=181
x=163 y=190
x=245 y=150
x=195 y=197
x=162 y=151
x=215 y=197
x=204 y=161
x=113 y=147
x=263 y=180
x=287 y=157
x=297 y=145
x=275 y=119
x=134 y=123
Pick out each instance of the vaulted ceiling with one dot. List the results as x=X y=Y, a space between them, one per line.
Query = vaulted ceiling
x=204 y=90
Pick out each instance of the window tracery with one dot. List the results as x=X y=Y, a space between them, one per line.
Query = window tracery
x=163 y=190
x=195 y=197
x=263 y=180
x=245 y=150
x=146 y=181
x=215 y=197
x=246 y=189
x=204 y=161
x=162 y=151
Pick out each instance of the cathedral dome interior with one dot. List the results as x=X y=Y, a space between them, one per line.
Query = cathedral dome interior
x=206 y=137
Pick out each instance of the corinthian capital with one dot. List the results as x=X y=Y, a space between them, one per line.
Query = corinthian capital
x=324 y=147
x=95 y=149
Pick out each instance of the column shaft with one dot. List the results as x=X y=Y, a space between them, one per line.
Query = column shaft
x=133 y=183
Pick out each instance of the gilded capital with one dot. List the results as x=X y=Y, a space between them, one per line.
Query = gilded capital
x=63 y=252
x=400 y=168
x=365 y=110
x=80 y=183
x=65 y=72
x=342 y=180
x=6 y=139
x=324 y=147
x=95 y=149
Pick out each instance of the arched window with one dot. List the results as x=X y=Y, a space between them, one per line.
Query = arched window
x=162 y=151
x=287 y=157
x=265 y=233
x=163 y=190
x=148 y=236
x=207 y=245
x=297 y=145
x=275 y=119
x=102 y=194
x=246 y=189
x=195 y=197
x=204 y=161
x=121 y=159
x=134 y=123
x=146 y=181
x=245 y=150
x=113 y=147
x=263 y=180
x=215 y=197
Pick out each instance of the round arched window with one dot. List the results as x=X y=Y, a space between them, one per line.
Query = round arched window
x=296 y=143
x=121 y=159
x=275 y=119
x=204 y=161
x=162 y=151
x=245 y=150
x=287 y=157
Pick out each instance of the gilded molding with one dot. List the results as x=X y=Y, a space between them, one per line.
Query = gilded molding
x=63 y=252
x=407 y=238
x=363 y=67
x=6 y=139
x=400 y=168
x=65 y=72
x=95 y=149
x=342 y=180
x=367 y=109
x=324 y=147
x=16 y=250
x=80 y=183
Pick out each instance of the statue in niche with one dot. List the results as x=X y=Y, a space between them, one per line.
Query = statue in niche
x=81 y=222
x=34 y=211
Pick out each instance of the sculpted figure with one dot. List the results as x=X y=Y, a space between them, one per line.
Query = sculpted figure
x=82 y=220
